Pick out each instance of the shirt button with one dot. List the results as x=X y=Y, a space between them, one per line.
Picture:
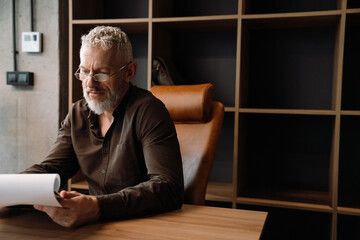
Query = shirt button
x=103 y=171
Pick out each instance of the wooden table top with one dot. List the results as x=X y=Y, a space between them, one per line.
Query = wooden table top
x=190 y=222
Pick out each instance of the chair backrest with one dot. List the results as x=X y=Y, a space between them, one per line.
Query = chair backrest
x=198 y=121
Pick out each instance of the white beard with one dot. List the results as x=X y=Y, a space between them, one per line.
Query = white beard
x=113 y=97
x=99 y=107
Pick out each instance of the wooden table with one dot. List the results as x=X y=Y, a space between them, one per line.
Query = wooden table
x=191 y=222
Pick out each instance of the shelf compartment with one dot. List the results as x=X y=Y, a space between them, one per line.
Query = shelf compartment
x=109 y=9
x=187 y=54
x=294 y=224
x=353 y=4
x=289 y=111
x=284 y=6
x=295 y=199
x=285 y=157
x=140 y=55
x=222 y=170
x=285 y=204
x=349 y=164
x=199 y=24
x=127 y=25
x=292 y=20
x=348 y=227
x=285 y=68
x=351 y=71
x=184 y=8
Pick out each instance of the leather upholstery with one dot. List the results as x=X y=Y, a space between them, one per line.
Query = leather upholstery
x=198 y=121
x=186 y=103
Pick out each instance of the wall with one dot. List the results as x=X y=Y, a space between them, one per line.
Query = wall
x=29 y=116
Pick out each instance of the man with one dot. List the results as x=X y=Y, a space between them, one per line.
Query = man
x=120 y=136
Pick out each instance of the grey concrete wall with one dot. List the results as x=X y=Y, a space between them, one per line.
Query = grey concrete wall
x=29 y=115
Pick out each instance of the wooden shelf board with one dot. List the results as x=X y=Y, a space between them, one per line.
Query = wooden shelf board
x=288 y=195
x=350 y=113
x=348 y=211
x=292 y=20
x=198 y=24
x=136 y=25
x=284 y=204
x=230 y=109
x=221 y=192
x=292 y=15
x=108 y=21
x=80 y=185
x=353 y=10
x=288 y=111
x=196 y=19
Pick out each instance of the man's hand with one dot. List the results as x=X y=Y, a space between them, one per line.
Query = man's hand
x=77 y=209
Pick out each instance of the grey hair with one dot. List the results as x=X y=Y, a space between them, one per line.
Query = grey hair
x=106 y=37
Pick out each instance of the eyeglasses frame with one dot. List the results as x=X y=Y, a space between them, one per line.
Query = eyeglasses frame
x=77 y=74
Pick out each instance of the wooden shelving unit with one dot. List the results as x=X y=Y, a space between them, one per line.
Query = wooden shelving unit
x=288 y=74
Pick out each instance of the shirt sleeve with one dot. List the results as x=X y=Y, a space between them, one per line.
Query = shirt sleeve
x=165 y=188
x=61 y=158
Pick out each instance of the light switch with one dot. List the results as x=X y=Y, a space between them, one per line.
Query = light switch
x=31 y=42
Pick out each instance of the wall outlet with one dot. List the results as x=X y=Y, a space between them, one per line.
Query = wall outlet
x=31 y=42
x=20 y=78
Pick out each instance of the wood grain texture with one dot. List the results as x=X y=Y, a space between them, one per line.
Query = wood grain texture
x=191 y=222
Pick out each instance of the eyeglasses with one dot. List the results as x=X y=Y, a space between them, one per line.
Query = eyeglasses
x=99 y=77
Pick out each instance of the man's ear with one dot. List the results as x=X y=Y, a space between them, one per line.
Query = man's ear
x=131 y=72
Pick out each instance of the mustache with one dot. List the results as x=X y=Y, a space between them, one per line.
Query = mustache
x=93 y=89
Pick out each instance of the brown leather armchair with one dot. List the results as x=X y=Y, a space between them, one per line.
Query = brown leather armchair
x=198 y=121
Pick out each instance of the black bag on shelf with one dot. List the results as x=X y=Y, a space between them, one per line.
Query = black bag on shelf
x=165 y=73
x=160 y=74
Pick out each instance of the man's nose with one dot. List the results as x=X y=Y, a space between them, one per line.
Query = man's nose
x=90 y=81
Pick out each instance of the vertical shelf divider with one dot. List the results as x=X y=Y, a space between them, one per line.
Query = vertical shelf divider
x=150 y=42
x=71 y=53
x=237 y=106
x=70 y=62
x=338 y=72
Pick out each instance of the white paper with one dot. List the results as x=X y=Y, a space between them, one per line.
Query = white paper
x=29 y=189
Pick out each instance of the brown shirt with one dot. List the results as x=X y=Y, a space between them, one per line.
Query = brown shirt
x=135 y=169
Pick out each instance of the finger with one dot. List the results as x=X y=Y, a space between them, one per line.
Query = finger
x=71 y=194
x=69 y=199
x=39 y=207
x=62 y=193
x=69 y=203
